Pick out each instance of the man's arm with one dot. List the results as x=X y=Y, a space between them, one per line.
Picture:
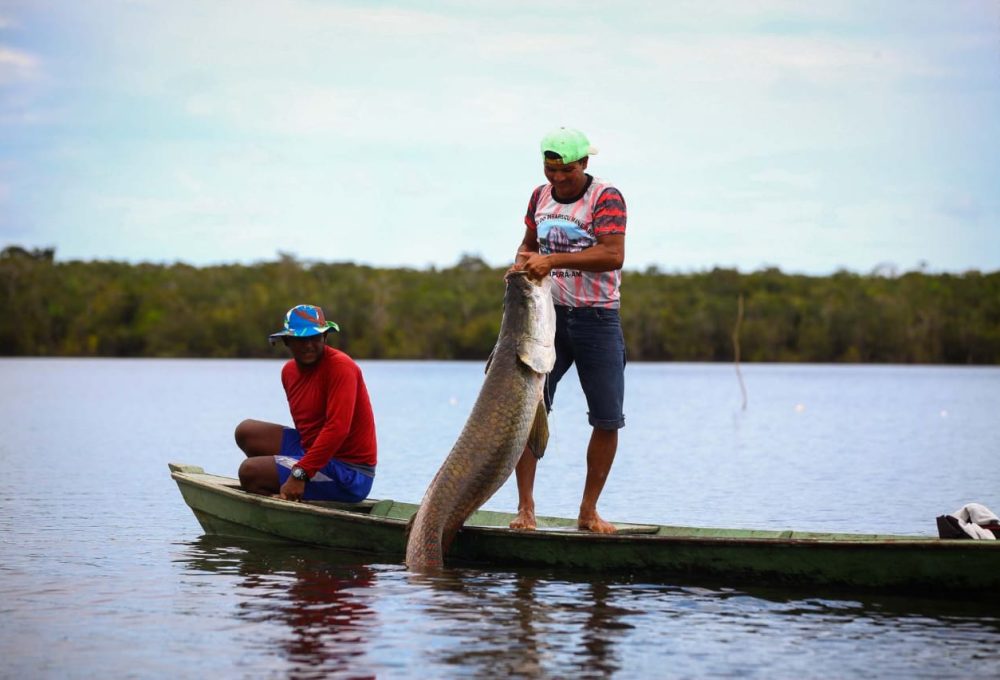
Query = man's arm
x=606 y=255
x=528 y=247
x=340 y=402
x=341 y=399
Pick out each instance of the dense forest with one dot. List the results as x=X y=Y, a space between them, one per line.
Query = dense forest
x=117 y=309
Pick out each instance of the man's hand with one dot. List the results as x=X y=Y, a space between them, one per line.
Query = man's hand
x=519 y=260
x=537 y=266
x=292 y=490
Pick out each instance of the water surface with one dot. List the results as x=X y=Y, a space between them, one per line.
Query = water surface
x=106 y=573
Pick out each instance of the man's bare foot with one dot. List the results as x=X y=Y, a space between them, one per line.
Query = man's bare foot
x=595 y=523
x=524 y=521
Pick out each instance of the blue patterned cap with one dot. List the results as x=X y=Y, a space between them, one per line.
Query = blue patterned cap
x=304 y=321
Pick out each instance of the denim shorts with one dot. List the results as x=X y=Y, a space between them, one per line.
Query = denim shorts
x=591 y=337
x=335 y=481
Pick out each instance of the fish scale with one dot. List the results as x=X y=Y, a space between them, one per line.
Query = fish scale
x=498 y=428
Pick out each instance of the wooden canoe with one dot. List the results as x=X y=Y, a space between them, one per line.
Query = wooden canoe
x=377 y=527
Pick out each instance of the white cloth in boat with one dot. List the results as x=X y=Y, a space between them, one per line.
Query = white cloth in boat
x=972 y=517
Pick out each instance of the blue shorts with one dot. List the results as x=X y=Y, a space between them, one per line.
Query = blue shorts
x=335 y=481
x=591 y=337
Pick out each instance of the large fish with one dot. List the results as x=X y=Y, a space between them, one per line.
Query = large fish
x=509 y=413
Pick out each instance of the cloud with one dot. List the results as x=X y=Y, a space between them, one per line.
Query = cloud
x=779 y=179
x=755 y=60
x=962 y=207
x=748 y=132
x=17 y=65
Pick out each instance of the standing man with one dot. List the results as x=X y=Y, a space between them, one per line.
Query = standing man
x=330 y=454
x=575 y=230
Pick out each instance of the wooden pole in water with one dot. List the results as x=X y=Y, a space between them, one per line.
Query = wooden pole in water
x=736 y=349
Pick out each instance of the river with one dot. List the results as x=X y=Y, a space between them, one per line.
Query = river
x=105 y=571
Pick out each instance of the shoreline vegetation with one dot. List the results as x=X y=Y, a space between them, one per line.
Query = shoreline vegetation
x=119 y=309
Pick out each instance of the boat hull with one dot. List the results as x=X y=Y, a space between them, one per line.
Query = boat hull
x=885 y=562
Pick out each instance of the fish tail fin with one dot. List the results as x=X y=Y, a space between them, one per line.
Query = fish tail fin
x=423 y=548
x=538 y=437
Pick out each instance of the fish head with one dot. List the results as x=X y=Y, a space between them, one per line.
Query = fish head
x=528 y=307
x=521 y=282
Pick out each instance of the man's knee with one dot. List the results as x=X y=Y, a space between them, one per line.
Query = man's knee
x=245 y=431
x=257 y=475
x=257 y=438
x=240 y=435
x=248 y=472
x=243 y=472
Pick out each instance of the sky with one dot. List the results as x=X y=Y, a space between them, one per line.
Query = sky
x=808 y=136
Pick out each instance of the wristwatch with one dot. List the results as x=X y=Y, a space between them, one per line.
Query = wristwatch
x=299 y=474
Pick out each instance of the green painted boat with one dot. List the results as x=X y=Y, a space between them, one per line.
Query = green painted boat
x=924 y=564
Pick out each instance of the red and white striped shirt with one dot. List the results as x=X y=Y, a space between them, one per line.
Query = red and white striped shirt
x=572 y=227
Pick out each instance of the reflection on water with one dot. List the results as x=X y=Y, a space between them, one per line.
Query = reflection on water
x=509 y=624
x=313 y=613
x=523 y=625
x=316 y=600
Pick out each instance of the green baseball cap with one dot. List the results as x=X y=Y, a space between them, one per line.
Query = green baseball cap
x=569 y=144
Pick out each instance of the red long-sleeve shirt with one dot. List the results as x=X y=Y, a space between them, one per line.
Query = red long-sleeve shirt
x=331 y=410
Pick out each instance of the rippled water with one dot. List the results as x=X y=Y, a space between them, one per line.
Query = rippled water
x=106 y=573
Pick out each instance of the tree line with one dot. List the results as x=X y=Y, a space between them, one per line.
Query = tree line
x=118 y=309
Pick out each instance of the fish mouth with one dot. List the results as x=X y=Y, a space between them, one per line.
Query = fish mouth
x=520 y=273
